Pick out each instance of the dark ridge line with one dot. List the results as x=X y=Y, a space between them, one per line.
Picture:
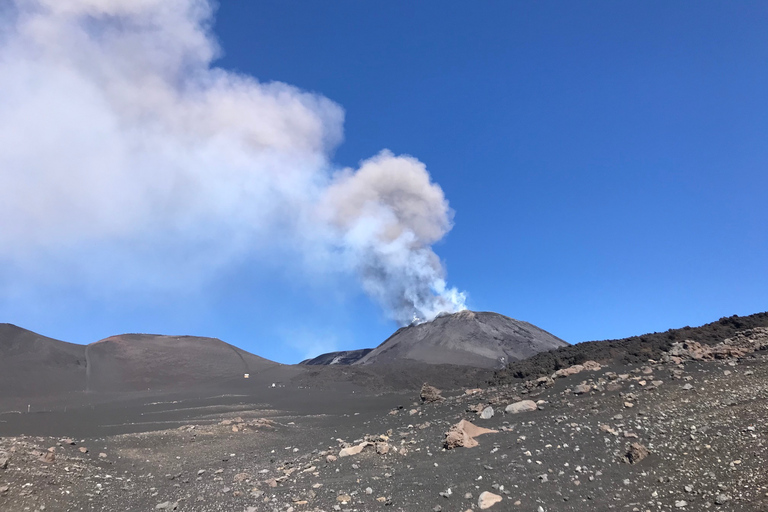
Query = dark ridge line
x=625 y=351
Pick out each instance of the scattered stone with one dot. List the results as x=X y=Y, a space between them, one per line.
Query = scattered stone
x=522 y=406
x=48 y=457
x=430 y=394
x=567 y=372
x=582 y=389
x=681 y=504
x=487 y=500
x=463 y=434
x=4 y=459
x=353 y=450
x=487 y=413
x=591 y=366
x=636 y=453
x=722 y=499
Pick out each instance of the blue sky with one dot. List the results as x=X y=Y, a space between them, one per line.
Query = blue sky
x=606 y=163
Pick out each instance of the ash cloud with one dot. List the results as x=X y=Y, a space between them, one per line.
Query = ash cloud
x=121 y=143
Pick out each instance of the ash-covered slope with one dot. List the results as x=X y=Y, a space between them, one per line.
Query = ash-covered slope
x=345 y=357
x=139 y=362
x=34 y=365
x=468 y=338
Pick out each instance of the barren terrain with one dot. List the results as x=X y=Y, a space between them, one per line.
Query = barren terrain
x=683 y=431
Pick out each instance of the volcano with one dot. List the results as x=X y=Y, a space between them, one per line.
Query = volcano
x=467 y=338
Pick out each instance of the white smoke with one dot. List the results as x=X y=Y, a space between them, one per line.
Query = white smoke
x=121 y=142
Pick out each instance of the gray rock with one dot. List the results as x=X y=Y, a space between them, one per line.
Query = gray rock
x=522 y=406
x=722 y=499
x=487 y=413
x=582 y=389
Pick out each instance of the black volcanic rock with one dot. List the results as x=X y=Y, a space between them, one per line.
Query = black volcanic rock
x=632 y=350
x=345 y=357
x=467 y=338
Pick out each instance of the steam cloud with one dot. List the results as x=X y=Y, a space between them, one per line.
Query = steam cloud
x=120 y=142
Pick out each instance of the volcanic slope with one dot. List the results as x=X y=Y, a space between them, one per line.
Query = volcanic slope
x=34 y=365
x=138 y=362
x=467 y=338
x=345 y=357
x=632 y=350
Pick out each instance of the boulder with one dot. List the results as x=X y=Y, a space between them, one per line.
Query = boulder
x=487 y=500
x=636 y=453
x=486 y=413
x=464 y=434
x=430 y=394
x=522 y=406
x=567 y=372
x=582 y=389
x=353 y=450
x=48 y=457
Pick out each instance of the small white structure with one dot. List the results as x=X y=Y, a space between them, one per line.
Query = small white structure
x=246 y=375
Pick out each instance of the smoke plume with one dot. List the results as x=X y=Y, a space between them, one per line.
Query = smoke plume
x=120 y=142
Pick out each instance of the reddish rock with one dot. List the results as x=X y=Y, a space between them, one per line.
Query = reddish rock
x=463 y=434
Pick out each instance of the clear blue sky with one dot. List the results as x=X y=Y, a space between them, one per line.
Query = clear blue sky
x=606 y=161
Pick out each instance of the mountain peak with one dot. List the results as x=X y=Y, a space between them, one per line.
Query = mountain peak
x=471 y=338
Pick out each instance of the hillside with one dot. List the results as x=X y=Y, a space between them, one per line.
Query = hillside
x=467 y=338
x=632 y=350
